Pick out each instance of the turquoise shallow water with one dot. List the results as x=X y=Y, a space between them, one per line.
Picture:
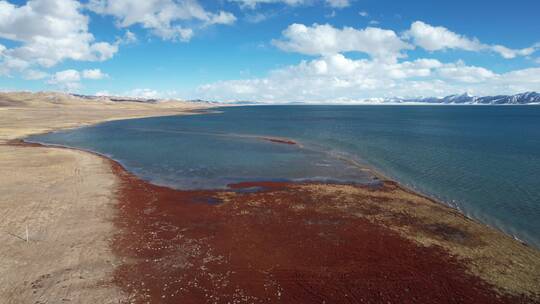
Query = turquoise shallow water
x=483 y=160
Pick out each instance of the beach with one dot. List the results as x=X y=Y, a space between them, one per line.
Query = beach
x=99 y=233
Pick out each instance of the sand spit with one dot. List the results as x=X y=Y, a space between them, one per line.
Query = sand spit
x=284 y=141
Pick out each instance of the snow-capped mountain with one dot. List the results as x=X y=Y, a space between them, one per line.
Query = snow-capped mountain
x=527 y=98
x=518 y=99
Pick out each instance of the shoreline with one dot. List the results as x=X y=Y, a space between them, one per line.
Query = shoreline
x=64 y=199
x=129 y=180
x=91 y=124
x=286 y=141
x=378 y=174
x=430 y=231
x=65 y=254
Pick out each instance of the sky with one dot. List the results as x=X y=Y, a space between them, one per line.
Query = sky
x=273 y=51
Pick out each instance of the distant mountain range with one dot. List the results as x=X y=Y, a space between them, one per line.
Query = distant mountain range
x=467 y=99
x=527 y=98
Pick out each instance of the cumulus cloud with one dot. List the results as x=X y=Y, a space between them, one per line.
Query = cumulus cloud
x=67 y=79
x=143 y=93
x=325 y=39
x=70 y=79
x=222 y=18
x=146 y=93
x=102 y=93
x=332 y=76
x=251 y=4
x=94 y=74
x=46 y=33
x=467 y=74
x=167 y=19
x=435 y=38
x=129 y=37
x=35 y=75
x=338 y=3
x=336 y=78
x=512 y=53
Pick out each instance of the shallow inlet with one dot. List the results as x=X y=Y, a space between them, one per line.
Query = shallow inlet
x=482 y=160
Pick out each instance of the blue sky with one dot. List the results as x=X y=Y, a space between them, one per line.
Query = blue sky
x=270 y=50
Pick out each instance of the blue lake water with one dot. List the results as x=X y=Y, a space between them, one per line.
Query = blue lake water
x=484 y=160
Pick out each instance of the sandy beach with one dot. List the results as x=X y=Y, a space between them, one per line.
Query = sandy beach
x=99 y=234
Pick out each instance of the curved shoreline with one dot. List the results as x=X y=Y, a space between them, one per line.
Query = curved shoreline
x=377 y=173
x=452 y=237
x=395 y=231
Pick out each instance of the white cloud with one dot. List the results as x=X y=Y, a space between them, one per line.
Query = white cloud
x=435 y=38
x=94 y=74
x=167 y=19
x=152 y=94
x=102 y=93
x=70 y=80
x=512 y=53
x=336 y=78
x=66 y=76
x=67 y=80
x=222 y=18
x=143 y=93
x=9 y=64
x=251 y=4
x=129 y=37
x=338 y=3
x=463 y=73
x=48 y=32
x=363 y=13
x=325 y=39
x=35 y=75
